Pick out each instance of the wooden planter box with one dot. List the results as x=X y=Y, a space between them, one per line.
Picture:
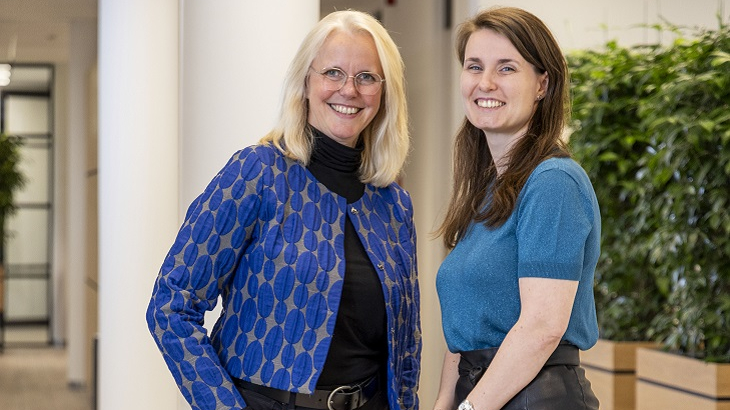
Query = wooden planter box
x=669 y=381
x=610 y=367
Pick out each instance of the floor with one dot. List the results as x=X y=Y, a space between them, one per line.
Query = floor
x=33 y=377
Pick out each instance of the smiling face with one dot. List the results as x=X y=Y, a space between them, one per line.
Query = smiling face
x=500 y=89
x=343 y=114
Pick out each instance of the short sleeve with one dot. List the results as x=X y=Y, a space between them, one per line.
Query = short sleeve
x=554 y=221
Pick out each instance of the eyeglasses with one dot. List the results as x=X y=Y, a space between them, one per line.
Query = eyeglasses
x=366 y=83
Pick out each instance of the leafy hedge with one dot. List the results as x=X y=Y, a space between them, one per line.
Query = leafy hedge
x=11 y=179
x=652 y=129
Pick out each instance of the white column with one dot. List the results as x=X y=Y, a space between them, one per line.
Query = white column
x=138 y=191
x=234 y=57
x=82 y=58
x=155 y=159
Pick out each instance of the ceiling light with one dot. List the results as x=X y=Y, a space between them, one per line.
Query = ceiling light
x=4 y=74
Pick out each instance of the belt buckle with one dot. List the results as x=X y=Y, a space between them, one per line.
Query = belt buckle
x=332 y=394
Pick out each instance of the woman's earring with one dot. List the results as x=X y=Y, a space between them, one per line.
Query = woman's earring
x=539 y=97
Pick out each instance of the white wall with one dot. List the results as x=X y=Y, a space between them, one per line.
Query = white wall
x=231 y=79
x=586 y=24
x=421 y=32
x=83 y=50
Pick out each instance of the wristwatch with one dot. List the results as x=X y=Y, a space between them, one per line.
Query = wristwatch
x=466 y=405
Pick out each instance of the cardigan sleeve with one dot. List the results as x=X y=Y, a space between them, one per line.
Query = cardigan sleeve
x=217 y=228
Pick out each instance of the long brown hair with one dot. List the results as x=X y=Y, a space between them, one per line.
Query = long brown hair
x=475 y=174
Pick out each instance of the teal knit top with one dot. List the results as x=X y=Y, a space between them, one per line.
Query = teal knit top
x=553 y=232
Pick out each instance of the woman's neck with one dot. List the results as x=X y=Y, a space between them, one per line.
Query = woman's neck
x=500 y=147
x=332 y=154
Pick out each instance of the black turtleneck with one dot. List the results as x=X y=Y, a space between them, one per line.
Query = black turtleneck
x=359 y=346
x=337 y=166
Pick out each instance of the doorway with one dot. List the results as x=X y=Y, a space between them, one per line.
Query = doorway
x=26 y=113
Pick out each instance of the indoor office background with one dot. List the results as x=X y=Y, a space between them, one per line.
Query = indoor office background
x=128 y=108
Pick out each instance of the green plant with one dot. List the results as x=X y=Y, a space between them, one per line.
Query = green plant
x=608 y=140
x=685 y=181
x=11 y=179
x=653 y=131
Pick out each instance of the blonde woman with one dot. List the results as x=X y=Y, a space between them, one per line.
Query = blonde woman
x=310 y=243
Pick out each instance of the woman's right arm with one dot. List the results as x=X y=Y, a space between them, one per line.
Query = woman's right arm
x=200 y=264
x=449 y=376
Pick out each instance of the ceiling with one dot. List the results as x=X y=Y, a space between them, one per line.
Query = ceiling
x=37 y=32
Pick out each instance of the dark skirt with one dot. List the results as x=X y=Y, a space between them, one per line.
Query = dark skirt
x=560 y=384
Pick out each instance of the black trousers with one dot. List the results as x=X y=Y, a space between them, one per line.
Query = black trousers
x=560 y=385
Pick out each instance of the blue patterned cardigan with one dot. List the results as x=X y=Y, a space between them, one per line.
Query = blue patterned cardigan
x=268 y=238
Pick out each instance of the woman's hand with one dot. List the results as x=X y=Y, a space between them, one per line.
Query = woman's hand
x=449 y=376
x=546 y=307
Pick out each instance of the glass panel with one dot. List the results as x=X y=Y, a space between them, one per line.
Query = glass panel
x=27 y=112
x=26 y=115
x=28 y=300
x=34 y=165
x=27 y=334
x=27 y=271
x=28 y=232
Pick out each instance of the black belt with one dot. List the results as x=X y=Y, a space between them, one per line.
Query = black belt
x=475 y=362
x=340 y=398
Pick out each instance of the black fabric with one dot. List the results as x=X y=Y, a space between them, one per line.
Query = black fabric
x=337 y=166
x=560 y=384
x=344 y=398
x=258 y=401
x=359 y=346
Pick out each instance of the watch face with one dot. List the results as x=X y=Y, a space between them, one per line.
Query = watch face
x=465 y=405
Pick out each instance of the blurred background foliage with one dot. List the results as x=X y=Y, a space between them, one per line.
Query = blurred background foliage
x=651 y=126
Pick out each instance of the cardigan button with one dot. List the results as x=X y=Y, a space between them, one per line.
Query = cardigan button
x=353 y=210
x=381 y=266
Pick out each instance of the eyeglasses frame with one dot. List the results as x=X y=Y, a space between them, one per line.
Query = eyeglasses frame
x=347 y=77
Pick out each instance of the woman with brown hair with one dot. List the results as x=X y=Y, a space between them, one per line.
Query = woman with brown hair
x=523 y=226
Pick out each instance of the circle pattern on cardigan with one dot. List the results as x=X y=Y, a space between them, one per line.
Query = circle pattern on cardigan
x=282 y=268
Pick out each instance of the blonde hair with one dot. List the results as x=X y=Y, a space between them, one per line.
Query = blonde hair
x=386 y=139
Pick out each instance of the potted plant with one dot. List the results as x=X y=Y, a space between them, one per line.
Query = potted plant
x=11 y=179
x=653 y=131
x=608 y=140
x=683 y=185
